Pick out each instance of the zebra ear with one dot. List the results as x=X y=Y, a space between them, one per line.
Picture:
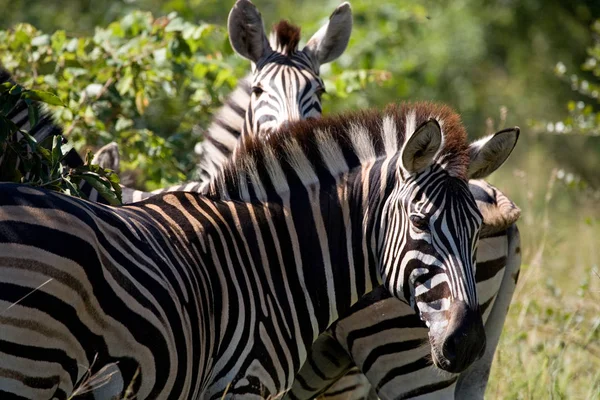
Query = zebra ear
x=488 y=154
x=246 y=32
x=108 y=157
x=332 y=39
x=420 y=149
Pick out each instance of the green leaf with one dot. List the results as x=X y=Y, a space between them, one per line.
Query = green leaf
x=41 y=40
x=31 y=141
x=44 y=97
x=125 y=84
x=103 y=189
x=66 y=148
x=16 y=90
x=34 y=115
x=56 y=151
x=6 y=86
x=176 y=25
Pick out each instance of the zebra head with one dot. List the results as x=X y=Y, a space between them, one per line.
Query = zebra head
x=286 y=85
x=429 y=234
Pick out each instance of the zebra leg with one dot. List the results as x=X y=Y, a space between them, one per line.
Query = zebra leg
x=327 y=362
x=352 y=386
x=473 y=382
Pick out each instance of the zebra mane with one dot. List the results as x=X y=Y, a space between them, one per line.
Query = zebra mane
x=285 y=37
x=319 y=149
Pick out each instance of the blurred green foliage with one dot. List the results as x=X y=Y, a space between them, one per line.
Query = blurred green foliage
x=584 y=115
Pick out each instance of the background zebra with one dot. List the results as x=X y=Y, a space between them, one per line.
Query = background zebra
x=284 y=86
x=386 y=340
x=169 y=284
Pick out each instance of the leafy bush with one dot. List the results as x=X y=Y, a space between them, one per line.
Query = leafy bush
x=584 y=118
x=25 y=160
x=142 y=82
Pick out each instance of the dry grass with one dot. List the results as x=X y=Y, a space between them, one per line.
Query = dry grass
x=550 y=347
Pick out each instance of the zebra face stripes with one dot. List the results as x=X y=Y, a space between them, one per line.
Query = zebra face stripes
x=285 y=88
x=428 y=247
x=430 y=227
x=286 y=85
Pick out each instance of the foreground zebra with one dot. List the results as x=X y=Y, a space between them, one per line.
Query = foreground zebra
x=313 y=219
x=388 y=356
x=232 y=118
x=388 y=342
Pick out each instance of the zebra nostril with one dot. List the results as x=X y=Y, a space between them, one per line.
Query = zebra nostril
x=449 y=349
x=464 y=340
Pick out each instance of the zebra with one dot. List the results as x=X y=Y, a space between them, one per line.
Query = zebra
x=394 y=358
x=284 y=85
x=221 y=295
x=191 y=186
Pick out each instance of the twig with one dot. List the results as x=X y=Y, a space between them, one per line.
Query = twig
x=27 y=295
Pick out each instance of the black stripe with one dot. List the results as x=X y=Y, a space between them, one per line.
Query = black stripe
x=488 y=269
x=428 y=389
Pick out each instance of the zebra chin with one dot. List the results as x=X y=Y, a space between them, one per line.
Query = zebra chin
x=458 y=339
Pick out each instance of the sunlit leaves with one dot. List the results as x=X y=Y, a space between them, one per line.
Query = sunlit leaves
x=45 y=97
x=584 y=118
x=163 y=75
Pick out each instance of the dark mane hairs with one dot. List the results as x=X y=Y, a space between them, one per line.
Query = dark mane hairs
x=287 y=37
x=362 y=136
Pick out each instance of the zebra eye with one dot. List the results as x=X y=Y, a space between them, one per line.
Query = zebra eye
x=257 y=90
x=420 y=222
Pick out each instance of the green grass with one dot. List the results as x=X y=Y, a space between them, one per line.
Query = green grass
x=550 y=346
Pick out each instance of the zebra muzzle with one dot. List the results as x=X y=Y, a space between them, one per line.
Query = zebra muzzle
x=462 y=342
